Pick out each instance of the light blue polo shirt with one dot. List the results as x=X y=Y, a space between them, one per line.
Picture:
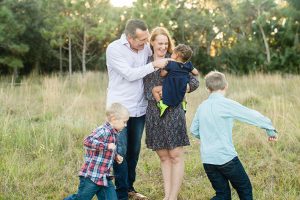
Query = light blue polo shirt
x=213 y=124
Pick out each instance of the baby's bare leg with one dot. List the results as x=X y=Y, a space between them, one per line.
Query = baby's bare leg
x=156 y=91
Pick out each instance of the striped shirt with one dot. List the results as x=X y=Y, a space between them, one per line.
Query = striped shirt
x=98 y=158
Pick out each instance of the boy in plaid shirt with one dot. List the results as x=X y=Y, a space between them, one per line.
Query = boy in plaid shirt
x=100 y=152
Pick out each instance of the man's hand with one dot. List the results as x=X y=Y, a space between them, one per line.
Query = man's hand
x=160 y=63
x=119 y=159
x=111 y=146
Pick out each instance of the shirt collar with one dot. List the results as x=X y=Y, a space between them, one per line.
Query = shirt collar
x=110 y=128
x=124 y=40
x=216 y=95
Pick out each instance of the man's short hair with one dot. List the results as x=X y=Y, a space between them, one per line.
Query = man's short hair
x=184 y=51
x=215 y=80
x=117 y=110
x=132 y=25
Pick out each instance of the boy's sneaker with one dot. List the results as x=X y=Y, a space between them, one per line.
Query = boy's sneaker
x=162 y=107
x=184 y=105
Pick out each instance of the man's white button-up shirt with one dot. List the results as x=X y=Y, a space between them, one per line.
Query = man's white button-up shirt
x=126 y=69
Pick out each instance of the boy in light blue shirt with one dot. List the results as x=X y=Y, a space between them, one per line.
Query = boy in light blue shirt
x=213 y=124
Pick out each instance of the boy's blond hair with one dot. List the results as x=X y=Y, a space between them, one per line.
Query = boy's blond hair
x=215 y=80
x=117 y=110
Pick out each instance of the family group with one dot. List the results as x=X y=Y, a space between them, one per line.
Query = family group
x=148 y=80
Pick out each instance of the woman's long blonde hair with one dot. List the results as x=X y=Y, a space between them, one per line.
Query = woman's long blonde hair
x=162 y=31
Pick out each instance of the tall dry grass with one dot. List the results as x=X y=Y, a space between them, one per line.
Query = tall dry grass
x=44 y=120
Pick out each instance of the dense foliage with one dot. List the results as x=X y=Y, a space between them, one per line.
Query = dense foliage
x=238 y=36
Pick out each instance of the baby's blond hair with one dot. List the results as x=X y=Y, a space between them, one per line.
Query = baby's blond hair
x=117 y=110
x=215 y=80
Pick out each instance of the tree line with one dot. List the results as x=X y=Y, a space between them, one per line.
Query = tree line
x=237 y=36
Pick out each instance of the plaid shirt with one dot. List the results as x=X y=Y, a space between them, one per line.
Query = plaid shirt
x=99 y=159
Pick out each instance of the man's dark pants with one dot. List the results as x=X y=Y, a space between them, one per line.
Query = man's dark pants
x=233 y=172
x=128 y=146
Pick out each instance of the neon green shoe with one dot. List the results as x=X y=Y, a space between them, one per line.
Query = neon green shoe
x=184 y=103
x=162 y=107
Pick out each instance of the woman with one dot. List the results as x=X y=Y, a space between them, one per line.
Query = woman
x=166 y=135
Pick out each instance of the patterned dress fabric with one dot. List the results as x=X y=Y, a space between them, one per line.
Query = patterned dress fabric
x=169 y=131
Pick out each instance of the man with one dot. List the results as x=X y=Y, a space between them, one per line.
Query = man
x=126 y=60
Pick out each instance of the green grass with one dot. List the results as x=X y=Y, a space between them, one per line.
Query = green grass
x=44 y=120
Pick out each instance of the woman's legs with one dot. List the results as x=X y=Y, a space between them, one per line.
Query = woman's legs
x=172 y=166
x=166 y=168
x=177 y=159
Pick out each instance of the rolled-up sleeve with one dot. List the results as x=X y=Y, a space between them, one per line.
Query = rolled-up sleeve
x=118 y=62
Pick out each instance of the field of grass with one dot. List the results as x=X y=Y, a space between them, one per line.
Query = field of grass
x=44 y=120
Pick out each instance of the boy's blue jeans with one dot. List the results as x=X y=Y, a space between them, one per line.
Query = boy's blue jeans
x=87 y=189
x=128 y=146
x=232 y=171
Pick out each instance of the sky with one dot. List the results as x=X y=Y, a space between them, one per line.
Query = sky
x=120 y=3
